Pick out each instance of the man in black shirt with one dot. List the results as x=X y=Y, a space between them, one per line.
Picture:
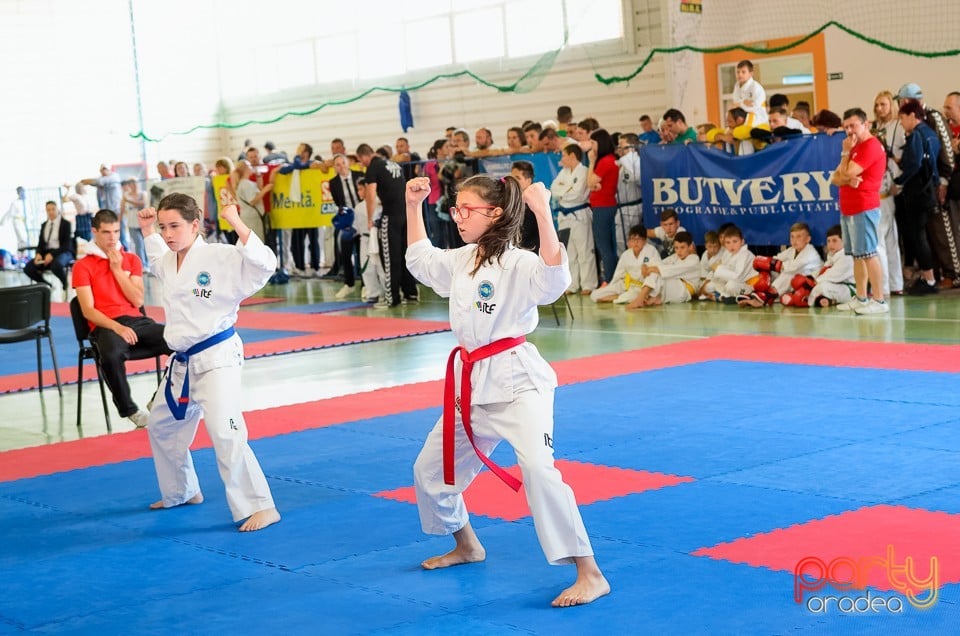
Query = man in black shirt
x=385 y=181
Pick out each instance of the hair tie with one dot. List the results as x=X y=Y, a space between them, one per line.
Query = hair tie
x=503 y=179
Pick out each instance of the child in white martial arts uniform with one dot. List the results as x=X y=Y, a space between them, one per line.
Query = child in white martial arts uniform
x=834 y=284
x=730 y=277
x=709 y=260
x=749 y=95
x=628 y=277
x=373 y=276
x=494 y=289
x=571 y=194
x=675 y=280
x=775 y=274
x=203 y=284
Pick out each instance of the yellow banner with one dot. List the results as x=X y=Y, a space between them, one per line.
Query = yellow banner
x=314 y=206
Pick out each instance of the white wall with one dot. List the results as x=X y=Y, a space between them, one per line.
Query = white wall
x=868 y=69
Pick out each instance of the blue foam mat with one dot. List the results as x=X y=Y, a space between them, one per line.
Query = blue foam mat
x=84 y=555
x=21 y=357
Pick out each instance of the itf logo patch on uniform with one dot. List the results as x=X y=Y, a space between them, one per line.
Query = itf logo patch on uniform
x=485 y=292
x=203 y=282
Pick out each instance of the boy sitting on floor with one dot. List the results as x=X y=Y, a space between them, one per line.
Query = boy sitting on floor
x=675 y=280
x=776 y=274
x=710 y=259
x=832 y=285
x=729 y=278
x=627 y=277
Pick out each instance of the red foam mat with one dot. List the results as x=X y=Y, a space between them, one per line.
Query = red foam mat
x=96 y=451
x=260 y=300
x=877 y=535
x=488 y=496
x=320 y=331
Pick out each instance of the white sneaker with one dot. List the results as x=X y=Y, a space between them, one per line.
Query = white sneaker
x=851 y=305
x=872 y=307
x=345 y=291
x=139 y=418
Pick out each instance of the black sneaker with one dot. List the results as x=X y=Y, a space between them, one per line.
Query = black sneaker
x=922 y=288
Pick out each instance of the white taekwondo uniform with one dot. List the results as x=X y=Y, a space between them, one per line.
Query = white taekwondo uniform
x=571 y=194
x=628 y=276
x=835 y=281
x=512 y=391
x=629 y=212
x=678 y=279
x=806 y=262
x=731 y=276
x=200 y=301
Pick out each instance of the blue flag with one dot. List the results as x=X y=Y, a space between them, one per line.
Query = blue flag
x=406 y=114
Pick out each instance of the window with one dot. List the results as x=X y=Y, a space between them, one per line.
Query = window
x=478 y=35
x=594 y=20
x=295 y=65
x=374 y=39
x=336 y=58
x=428 y=43
x=534 y=26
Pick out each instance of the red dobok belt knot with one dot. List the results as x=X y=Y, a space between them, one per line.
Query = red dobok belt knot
x=450 y=405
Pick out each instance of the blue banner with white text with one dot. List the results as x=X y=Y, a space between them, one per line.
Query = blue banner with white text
x=546 y=166
x=763 y=193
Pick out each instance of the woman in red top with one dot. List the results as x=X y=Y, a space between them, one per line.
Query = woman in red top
x=602 y=178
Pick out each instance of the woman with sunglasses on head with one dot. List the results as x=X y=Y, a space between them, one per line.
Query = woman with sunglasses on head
x=498 y=386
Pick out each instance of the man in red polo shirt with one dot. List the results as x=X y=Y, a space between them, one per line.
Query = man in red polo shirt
x=858 y=176
x=109 y=284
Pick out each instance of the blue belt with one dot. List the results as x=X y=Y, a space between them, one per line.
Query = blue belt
x=577 y=208
x=179 y=406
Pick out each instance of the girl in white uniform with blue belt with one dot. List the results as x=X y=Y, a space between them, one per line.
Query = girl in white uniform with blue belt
x=203 y=285
x=494 y=290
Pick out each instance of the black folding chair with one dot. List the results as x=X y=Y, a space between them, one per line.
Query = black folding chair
x=25 y=315
x=553 y=306
x=89 y=351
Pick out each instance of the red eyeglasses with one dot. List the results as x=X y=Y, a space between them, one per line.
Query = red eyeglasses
x=463 y=211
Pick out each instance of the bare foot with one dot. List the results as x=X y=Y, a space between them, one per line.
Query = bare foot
x=652 y=302
x=196 y=499
x=468 y=550
x=457 y=556
x=589 y=586
x=260 y=520
x=750 y=302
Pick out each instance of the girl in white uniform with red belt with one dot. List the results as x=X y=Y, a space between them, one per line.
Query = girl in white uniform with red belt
x=203 y=284
x=498 y=385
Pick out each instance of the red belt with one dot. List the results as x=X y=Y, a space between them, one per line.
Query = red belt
x=449 y=406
